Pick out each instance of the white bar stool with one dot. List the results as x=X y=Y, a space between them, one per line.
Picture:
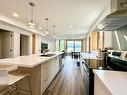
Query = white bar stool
x=13 y=87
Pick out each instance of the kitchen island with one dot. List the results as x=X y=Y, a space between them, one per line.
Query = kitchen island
x=110 y=82
x=42 y=70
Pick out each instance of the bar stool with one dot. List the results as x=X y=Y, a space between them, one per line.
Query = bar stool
x=13 y=84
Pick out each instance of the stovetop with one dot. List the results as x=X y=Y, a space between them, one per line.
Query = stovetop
x=95 y=64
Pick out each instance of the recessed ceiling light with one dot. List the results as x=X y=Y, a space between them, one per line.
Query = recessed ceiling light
x=71 y=26
x=40 y=28
x=15 y=14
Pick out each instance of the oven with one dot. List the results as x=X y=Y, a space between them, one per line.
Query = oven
x=117 y=61
x=88 y=78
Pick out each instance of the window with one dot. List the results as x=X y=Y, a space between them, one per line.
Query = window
x=57 y=45
x=74 y=46
x=78 y=46
x=61 y=45
x=70 y=46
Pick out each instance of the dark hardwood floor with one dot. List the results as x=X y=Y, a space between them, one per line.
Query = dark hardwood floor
x=68 y=81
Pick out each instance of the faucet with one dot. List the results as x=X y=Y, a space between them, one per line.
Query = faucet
x=43 y=52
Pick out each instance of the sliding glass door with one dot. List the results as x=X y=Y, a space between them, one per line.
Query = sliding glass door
x=70 y=46
x=73 y=46
x=77 y=46
x=59 y=45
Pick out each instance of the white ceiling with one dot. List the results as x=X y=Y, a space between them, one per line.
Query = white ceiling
x=81 y=14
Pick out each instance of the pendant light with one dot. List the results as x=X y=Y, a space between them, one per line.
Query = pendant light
x=46 y=26
x=54 y=31
x=31 y=24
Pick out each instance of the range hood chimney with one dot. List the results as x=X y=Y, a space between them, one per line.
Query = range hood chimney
x=117 y=17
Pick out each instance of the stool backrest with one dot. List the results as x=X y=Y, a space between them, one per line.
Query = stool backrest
x=4 y=77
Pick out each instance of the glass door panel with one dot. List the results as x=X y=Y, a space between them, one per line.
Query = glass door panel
x=70 y=46
x=77 y=46
x=61 y=45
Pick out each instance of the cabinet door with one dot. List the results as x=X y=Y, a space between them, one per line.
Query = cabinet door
x=43 y=77
x=98 y=86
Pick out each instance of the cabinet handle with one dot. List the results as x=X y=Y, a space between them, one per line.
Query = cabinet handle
x=11 y=50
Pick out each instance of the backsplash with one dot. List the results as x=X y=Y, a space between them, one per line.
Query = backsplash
x=119 y=39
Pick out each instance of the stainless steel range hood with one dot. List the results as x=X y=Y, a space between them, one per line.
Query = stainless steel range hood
x=117 y=18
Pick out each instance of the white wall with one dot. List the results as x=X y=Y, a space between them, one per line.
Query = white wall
x=16 y=44
x=38 y=44
x=119 y=39
x=107 y=39
x=24 y=46
x=52 y=45
x=16 y=37
x=16 y=31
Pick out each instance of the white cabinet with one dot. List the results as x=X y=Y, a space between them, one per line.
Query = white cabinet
x=99 y=88
x=49 y=70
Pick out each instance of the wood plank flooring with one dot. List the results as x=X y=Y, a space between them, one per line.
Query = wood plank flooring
x=68 y=81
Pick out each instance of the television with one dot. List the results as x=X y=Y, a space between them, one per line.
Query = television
x=44 y=46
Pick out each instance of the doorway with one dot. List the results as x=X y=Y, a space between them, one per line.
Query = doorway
x=6 y=44
x=24 y=45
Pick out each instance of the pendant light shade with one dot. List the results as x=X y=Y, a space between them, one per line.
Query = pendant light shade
x=54 y=31
x=46 y=26
x=31 y=24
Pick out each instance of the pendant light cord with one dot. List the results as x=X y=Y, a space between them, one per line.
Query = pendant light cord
x=32 y=11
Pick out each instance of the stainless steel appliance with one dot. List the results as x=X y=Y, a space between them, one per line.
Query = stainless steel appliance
x=87 y=67
x=117 y=60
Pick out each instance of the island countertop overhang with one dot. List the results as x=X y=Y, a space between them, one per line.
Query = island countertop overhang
x=29 y=61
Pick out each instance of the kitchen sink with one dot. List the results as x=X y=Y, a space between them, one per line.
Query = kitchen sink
x=47 y=55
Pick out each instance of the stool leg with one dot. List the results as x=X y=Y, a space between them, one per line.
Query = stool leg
x=29 y=84
x=16 y=89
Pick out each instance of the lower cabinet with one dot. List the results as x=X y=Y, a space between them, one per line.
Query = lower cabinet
x=49 y=70
x=99 y=88
x=40 y=76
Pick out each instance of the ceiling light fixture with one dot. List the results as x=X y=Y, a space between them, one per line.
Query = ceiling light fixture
x=71 y=26
x=54 y=35
x=54 y=31
x=15 y=14
x=44 y=34
x=46 y=26
x=31 y=24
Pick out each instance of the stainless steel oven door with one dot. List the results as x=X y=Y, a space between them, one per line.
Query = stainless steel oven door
x=85 y=77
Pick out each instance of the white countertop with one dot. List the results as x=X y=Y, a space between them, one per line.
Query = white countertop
x=28 y=61
x=114 y=81
x=90 y=56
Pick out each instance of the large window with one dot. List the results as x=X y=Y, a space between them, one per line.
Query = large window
x=70 y=46
x=74 y=46
x=77 y=46
x=59 y=45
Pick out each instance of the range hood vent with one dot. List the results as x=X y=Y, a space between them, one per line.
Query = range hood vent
x=117 y=18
